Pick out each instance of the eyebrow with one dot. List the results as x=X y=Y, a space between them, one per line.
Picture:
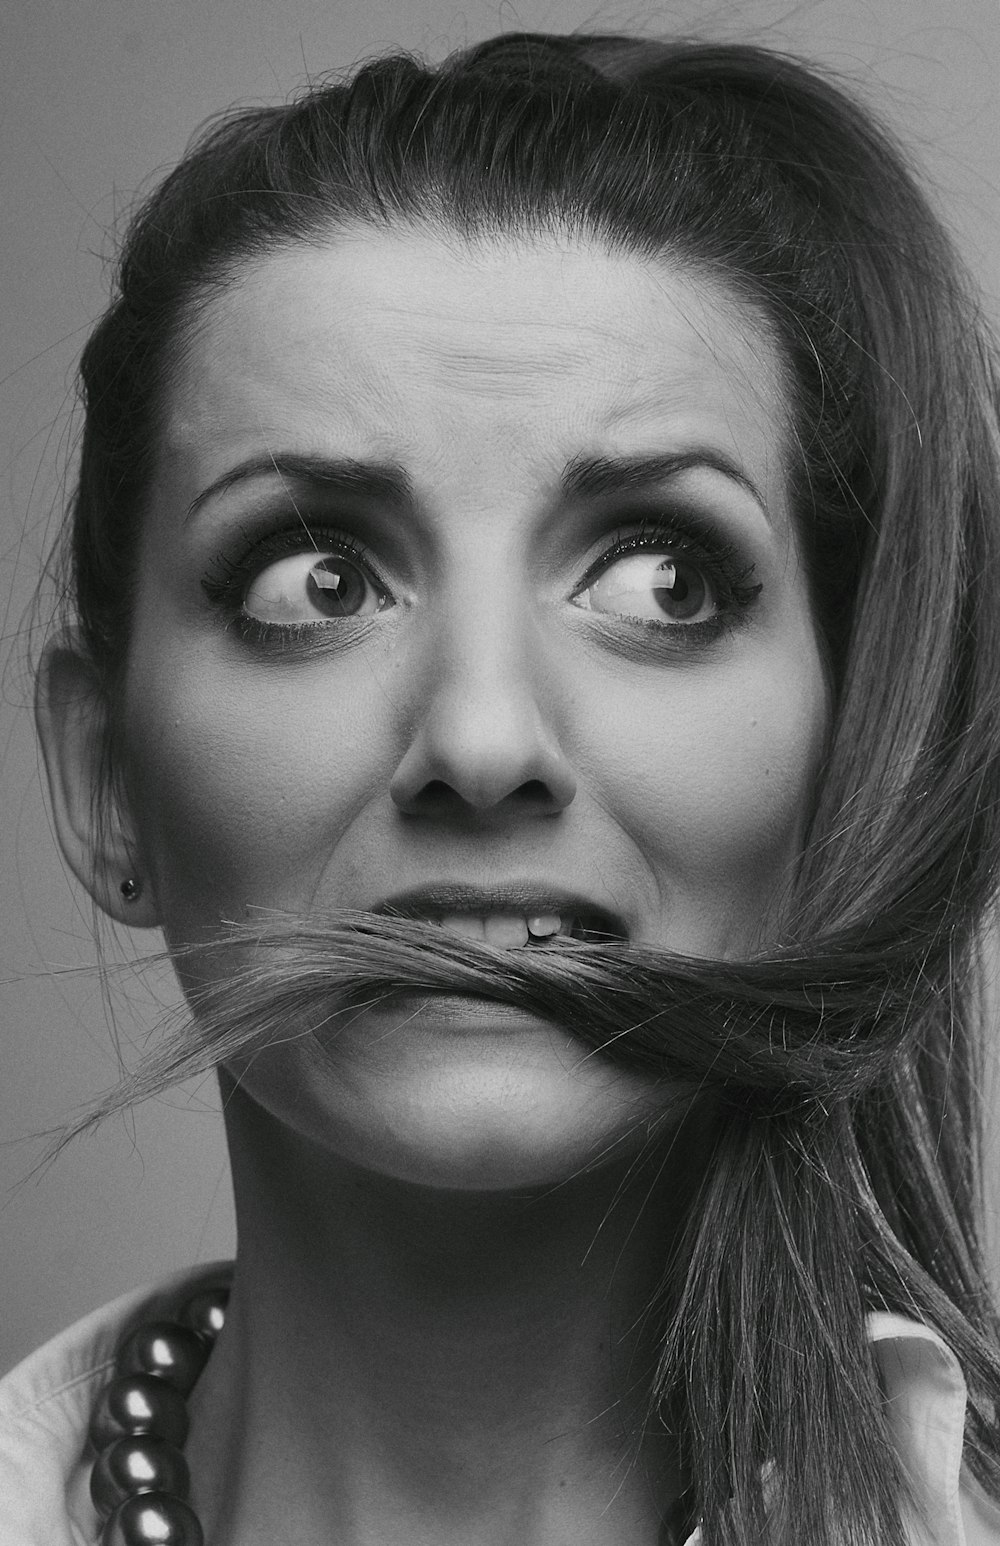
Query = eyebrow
x=385 y=481
x=585 y=477
x=597 y=477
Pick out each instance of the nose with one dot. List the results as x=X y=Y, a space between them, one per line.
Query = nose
x=481 y=740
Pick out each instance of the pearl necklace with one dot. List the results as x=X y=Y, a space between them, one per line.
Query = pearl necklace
x=140 y=1480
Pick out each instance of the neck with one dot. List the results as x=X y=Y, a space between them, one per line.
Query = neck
x=406 y=1363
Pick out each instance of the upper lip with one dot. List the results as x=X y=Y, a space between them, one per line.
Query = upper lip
x=525 y=897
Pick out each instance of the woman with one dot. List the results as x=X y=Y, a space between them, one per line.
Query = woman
x=533 y=641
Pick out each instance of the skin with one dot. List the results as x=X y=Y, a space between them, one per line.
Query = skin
x=454 y=1195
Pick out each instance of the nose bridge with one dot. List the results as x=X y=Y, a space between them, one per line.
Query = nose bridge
x=483 y=724
x=484 y=646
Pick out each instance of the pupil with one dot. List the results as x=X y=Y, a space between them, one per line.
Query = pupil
x=683 y=593
x=335 y=587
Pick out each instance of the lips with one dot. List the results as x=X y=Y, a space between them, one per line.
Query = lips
x=509 y=917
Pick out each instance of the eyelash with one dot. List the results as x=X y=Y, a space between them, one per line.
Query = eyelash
x=721 y=563
x=226 y=581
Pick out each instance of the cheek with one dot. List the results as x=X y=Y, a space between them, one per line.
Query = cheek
x=237 y=797
x=715 y=776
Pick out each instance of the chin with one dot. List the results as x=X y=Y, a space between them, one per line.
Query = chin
x=460 y=1094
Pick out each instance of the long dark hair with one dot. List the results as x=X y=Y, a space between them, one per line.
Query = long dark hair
x=845 y=1057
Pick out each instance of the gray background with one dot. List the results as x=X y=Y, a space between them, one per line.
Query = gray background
x=95 y=97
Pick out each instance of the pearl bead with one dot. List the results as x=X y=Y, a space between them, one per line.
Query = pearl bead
x=136 y=1464
x=153 y=1519
x=173 y=1353
x=206 y=1312
x=138 y=1403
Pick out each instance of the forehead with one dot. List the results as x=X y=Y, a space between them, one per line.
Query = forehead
x=428 y=349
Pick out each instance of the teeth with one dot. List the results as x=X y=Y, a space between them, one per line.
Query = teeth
x=469 y=924
x=506 y=930
x=544 y=925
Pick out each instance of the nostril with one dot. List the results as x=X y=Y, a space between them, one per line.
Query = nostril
x=439 y=796
x=533 y=792
x=434 y=794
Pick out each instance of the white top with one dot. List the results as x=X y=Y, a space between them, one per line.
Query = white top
x=46 y=1402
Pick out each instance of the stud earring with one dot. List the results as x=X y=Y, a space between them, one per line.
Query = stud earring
x=131 y=888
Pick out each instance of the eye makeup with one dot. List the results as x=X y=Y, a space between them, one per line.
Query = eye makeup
x=719 y=560
x=230 y=579
x=689 y=545
x=227 y=577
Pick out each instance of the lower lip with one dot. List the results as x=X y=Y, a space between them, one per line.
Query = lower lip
x=451 y=1012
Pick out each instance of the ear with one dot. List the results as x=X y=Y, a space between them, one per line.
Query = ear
x=92 y=825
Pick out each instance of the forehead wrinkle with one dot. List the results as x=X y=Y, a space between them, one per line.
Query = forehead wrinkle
x=511 y=356
x=473 y=344
x=513 y=375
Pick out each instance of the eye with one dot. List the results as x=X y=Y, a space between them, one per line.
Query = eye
x=659 y=587
x=313 y=586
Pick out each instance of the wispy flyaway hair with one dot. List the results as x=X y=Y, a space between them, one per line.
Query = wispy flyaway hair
x=844 y=1059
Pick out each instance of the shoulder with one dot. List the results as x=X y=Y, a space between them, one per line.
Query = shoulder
x=925 y=1397
x=45 y=1406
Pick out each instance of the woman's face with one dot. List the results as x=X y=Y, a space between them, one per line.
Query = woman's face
x=469 y=586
